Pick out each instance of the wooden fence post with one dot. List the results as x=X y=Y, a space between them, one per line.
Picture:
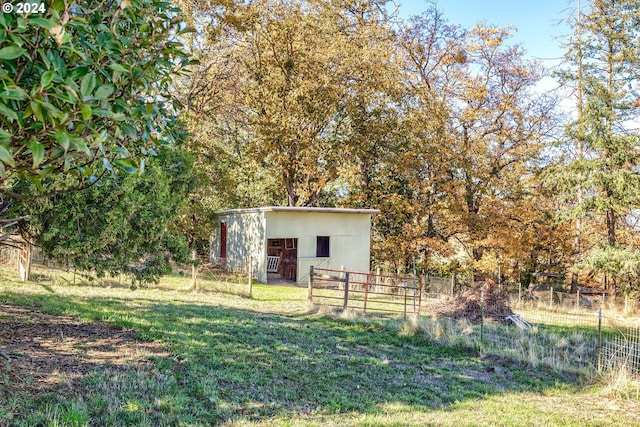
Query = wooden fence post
x=453 y=283
x=519 y=292
x=423 y=280
x=29 y=259
x=24 y=262
x=250 y=276
x=310 y=288
x=366 y=294
x=346 y=291
x=626 y=304
x=415 y=291
x=194 y=271
x=481 y=317
x=404 y=314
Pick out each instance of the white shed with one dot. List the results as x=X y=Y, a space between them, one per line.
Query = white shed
x=283 y=242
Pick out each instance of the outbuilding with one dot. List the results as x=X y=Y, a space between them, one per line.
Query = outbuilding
x=283 y=242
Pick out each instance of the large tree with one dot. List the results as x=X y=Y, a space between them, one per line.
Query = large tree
x=484 y=129
x=281 y=90
x=84 y=92
x=295 y=90
x=604 y=172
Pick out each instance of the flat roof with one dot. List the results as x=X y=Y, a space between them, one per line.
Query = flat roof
x=300 y=209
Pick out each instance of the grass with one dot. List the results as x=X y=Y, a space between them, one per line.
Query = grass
x=266 y=360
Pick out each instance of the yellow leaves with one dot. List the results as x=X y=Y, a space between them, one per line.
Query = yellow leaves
x=57 y=32
x=483 y=37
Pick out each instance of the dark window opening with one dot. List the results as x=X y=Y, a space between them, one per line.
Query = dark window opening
x=223 y=240
x=322 y=247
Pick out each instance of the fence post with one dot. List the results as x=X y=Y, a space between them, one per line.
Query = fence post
x=404 y=314
x=310 y=287
x=366 y=294
x=626 y=304
x=29 y=259
x=519 y=292
x=599 y=349
x=415 y=292
x=24 y=261
x=551 y=298
x=194 y=271
x=250 y=276
x=346 y=291
x=420 y=293
x=453 y=283
x=578 y=300
x=426 y=282
x=481 y=317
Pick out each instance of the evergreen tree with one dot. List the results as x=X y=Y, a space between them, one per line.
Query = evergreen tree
x=605 y=171
x=124 y=224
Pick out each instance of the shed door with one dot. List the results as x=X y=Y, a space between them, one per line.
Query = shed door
x=223 y=240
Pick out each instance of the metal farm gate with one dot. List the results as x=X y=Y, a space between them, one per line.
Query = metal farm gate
x=364 y=292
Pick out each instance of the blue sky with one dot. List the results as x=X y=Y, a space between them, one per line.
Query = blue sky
x=536 y=20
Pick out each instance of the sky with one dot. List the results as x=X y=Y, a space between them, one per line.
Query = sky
x=536 y=21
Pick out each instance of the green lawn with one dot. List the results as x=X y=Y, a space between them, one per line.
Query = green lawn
x=231 y=360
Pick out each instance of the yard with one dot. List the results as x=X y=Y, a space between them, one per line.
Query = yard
x=104 y=354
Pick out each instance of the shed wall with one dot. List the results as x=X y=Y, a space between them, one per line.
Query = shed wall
x=245 y=238
x=349 y=237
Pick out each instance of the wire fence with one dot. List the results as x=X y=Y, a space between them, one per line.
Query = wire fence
x=571 y=332
x=584 y=331
x=579 y=331
x=223 y=276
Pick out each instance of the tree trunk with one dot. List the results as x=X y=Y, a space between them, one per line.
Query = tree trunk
x=611 y=228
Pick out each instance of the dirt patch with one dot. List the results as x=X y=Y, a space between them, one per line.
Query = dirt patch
x=467 y=305
x=47 y=352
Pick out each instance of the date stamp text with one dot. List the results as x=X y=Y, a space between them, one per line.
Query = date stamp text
x=23 y=7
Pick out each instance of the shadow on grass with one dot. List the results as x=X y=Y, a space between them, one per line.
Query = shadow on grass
x=230 y=364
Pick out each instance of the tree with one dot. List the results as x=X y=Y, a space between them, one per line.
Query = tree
x=606 y=171
x=484 y=128
x=84 y=92
x=268 y=105
x=215 y=115
x=124 y=224
x=295 y=90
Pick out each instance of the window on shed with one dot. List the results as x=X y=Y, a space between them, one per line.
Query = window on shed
x=322 y=246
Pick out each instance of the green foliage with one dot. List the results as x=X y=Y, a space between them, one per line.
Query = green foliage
x=123 y=224
x=600 y=184
x=84 y=89
x=613 y=260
